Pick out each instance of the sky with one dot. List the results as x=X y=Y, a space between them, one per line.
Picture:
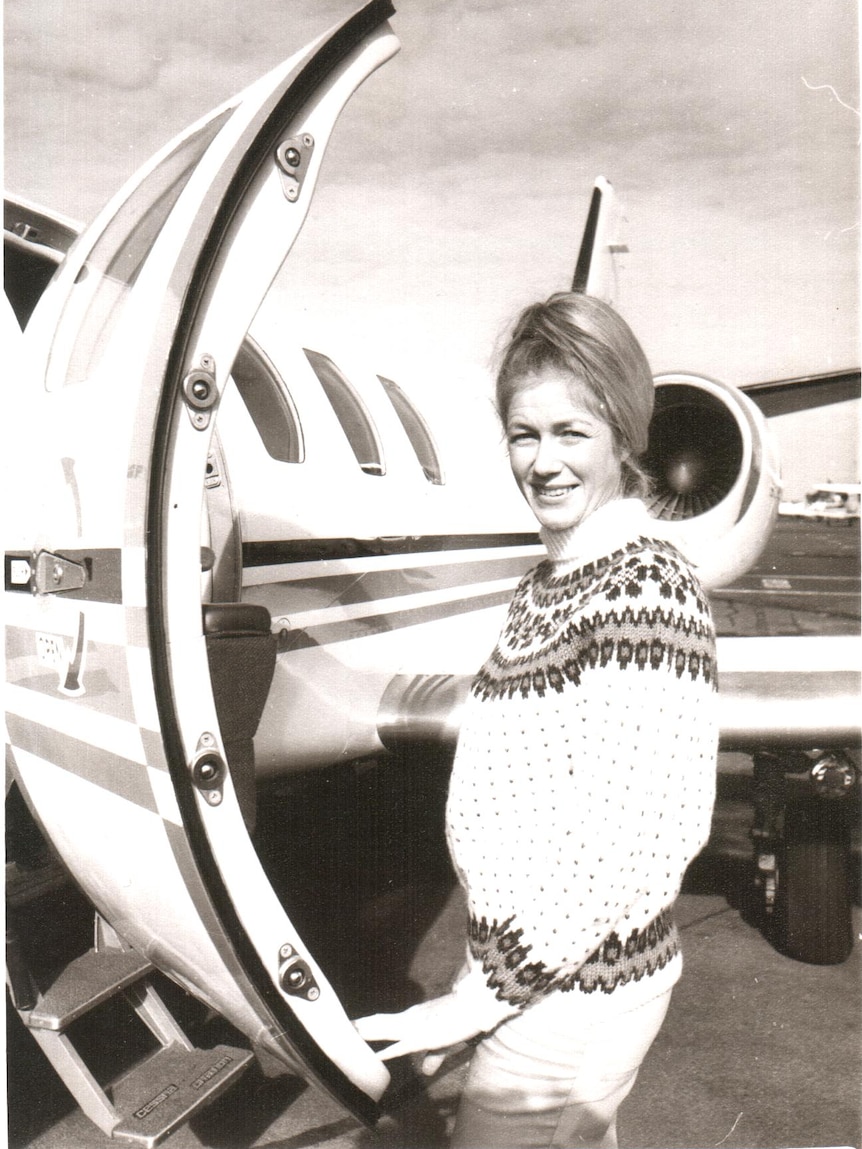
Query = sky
x=456 y=185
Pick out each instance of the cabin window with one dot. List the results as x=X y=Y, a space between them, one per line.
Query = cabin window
x=351 y=412
x=417 y=431
x=269 y=403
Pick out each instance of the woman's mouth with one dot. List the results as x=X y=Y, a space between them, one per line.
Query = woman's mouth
x=552 y=493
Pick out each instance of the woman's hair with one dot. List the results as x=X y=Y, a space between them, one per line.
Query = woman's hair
x=583 y=336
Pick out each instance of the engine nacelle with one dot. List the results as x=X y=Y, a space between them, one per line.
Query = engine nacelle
x=715 y=474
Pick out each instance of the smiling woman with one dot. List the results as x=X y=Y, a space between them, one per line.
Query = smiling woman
x=571 y=818
x=575 y=394
x=563 y=457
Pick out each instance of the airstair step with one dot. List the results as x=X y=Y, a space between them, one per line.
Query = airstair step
x=166 y=1090
x=85 y=983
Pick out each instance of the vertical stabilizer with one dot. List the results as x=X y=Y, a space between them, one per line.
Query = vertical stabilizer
x=595 y=270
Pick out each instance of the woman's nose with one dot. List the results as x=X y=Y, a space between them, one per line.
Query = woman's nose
x=547 y=458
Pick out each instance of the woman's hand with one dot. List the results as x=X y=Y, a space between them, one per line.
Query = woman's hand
x=438 y=1025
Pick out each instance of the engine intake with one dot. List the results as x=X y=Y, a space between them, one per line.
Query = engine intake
x=691 y=475
x=715 y=474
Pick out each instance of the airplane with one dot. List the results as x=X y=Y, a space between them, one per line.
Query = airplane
x=188 y=617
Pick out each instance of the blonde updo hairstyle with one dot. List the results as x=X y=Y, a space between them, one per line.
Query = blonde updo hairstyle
x=581 y=335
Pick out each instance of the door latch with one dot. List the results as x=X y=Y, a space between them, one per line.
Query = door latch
x=54 y=574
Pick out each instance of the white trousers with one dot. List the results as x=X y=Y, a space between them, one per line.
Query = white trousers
x=554 y=1076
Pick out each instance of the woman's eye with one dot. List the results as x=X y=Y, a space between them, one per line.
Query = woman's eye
x=519 y=438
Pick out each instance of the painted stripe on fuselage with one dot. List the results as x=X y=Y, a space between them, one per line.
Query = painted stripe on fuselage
x=103 y=768
x=103 y=580
x=310 y=590
x=105 y=622
x=401 y=606
x=312 y=604
x=103 y=731
x=289 y=552
x=328 y=628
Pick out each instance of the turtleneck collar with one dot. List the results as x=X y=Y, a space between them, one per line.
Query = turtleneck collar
x=607 y=529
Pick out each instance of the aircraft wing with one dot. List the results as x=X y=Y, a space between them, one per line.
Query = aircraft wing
x=784 y=396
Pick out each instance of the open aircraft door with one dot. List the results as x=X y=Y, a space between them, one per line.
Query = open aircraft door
x=115 y=732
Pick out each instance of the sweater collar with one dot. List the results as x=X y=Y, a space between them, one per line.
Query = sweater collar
x=607 y=529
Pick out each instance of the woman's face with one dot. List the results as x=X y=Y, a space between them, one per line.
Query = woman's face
x=563 y=456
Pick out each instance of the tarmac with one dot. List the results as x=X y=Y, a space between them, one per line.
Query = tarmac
x=758 y=1051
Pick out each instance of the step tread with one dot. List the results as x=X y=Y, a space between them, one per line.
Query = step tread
x=82 y=985
x=167 y=1089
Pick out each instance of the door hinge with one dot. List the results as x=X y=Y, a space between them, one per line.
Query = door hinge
x=292 y=157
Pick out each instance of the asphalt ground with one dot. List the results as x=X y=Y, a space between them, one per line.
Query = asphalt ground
x=758 y=1050
x=806 y=582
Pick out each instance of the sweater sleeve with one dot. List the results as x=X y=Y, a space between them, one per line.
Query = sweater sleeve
x=584 y=781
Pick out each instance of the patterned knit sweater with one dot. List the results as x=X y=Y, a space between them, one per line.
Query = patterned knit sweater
x=584 y=779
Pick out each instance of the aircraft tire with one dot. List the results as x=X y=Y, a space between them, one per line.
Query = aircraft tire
x=814 y=883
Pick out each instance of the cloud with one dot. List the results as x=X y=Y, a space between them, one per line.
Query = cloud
x=462 y=170
x=707 y=96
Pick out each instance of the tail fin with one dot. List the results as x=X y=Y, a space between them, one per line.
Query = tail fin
x=595 y=270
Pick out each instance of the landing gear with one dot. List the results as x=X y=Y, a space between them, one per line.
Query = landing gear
x=803 y=853
x=814 y=886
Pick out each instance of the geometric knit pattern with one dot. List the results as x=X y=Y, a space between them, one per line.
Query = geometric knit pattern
x=615 y=962
x=575 y=638
x=584 y=777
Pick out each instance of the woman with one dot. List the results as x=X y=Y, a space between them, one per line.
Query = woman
x=584 y=778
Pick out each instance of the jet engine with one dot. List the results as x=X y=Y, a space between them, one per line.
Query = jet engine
x=715 y=496
x=715 y=473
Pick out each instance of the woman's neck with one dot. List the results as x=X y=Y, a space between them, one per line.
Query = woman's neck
x=607 y=529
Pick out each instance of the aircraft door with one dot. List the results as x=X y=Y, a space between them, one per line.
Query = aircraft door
x=121 y=679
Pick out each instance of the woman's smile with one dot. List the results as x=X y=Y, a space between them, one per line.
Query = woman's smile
x=551 y=492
